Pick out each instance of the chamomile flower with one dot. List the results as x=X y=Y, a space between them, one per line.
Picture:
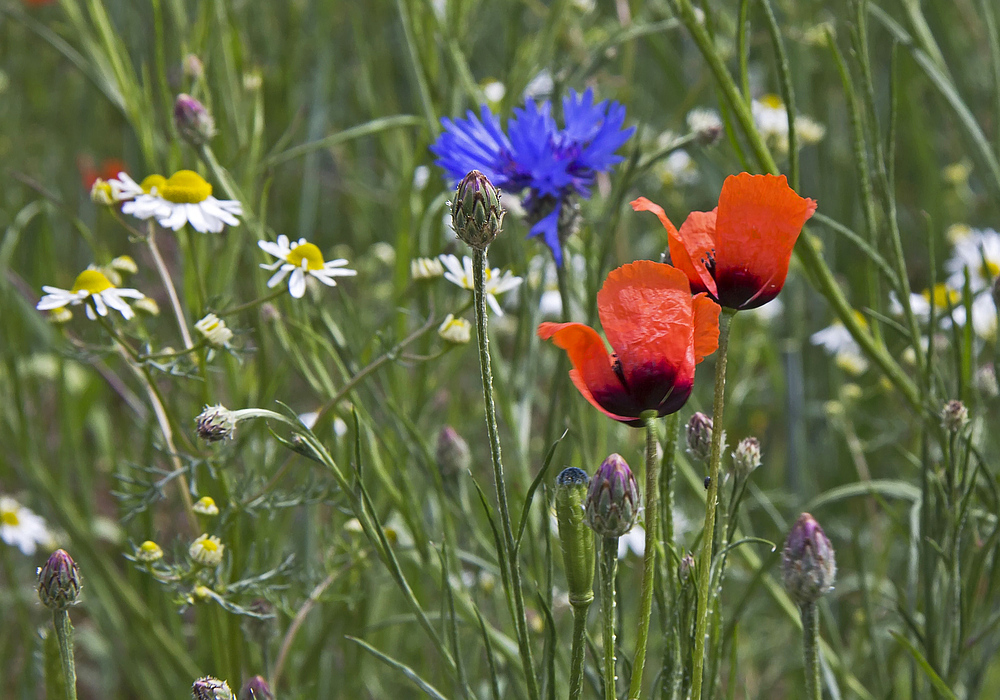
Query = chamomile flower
x=206 y=506
x=92 y=284
x=979 y=252
x=125 y=189
x=22 y=528
x=301 y=259
x=214 y=330
x=149 y=552
x=455 y=330
x=184 y=198
x=496 y=283
x=426 y=268
x=207 y=551
x=771 y=119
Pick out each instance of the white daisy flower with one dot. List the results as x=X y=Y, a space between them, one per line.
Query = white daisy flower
x=455 y=330
x=214 y=330
x=184 y=198
x=979 y=252
x=771 y=119
x=207 y=551
x=494 y=91
x=22 y=528
x=206 y=506
x=496 y=283
x=92 y=284
x=301 y=259
x=426 y=268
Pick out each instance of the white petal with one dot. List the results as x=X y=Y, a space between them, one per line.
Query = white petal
x=90 y=312
x=197 y=218
x=278 y=276
x=211 y=208
x=297 y=284
x=277 y=250
x=494 y=304
x=174 y=219
x=328 y=281
x=102 y=308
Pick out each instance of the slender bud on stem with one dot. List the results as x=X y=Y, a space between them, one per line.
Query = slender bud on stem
x=808 y=567
x=476 y=213
x=613 y=498
x=194 y=123
x=746 y=458
x=59 y=581
x=699 y=436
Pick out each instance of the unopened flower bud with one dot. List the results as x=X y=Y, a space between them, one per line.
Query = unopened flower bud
x=147 y=305
x=686 y=567
x=476 y=213
x=216 y=423
x=808 y=567
x=699 y=437
x=193 y=67
x=453 y=455
x=746 y=458
x=214 y=330
x=209 y=688
x=101 y=193
x=256 y=689
x=575 y=538
x=705 y=124
x=59 y=581
x=149 y=552
x=954 y=416
x=613 y=498
x=206 y=506
x=194 y=123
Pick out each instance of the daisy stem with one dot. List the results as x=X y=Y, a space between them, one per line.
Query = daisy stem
x=609 y=569
x=649 y=556
x=64 y=635
x=175 y=301
x=479 y=279
x=711 y=503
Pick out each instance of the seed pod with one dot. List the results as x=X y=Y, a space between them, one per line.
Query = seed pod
x=808 y=567
x=575 y=538
x=59 y=581
x=613 y=498
x=476 y=213
x=699 y=436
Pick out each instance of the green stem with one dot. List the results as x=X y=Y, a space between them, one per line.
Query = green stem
x=609 y=569
x=579 y=650
x=479 y=275
x=711 y=502
x=810 y=650
x=649 y=558
x=256 y=302
x=671 y=665
x=175 y=302
x=64 y=634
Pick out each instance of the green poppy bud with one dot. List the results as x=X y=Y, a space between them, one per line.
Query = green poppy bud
x=613 y=498
x=808 y=567
x=476 y=213
x=575 y=538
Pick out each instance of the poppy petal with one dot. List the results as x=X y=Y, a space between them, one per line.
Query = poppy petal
x=581 y=386
x=759 y=219
x=691 y=246
x=706 y=327
x=645 y=309
x=593 y=368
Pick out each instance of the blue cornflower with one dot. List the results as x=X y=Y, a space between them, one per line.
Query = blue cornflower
x=552 y=163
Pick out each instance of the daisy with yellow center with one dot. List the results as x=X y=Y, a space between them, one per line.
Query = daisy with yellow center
x=455 y=330
x=148 y=552
x=207 y=551
x=978 y=251
x=22 y=528
x=301 y=259
x=206 y=506
x=496 y=282
x=184 y=198
x=94 y=285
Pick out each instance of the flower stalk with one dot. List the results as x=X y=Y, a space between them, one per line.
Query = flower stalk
x=810 y=649
x=711 y=503
x=609 y=569
x=64 y=637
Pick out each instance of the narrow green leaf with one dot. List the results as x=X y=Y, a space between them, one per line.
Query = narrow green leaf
x=932 y=676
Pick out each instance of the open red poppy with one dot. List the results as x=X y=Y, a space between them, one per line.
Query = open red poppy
x=739 y=251
x=658 y=333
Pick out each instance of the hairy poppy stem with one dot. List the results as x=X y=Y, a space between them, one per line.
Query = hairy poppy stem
x=479 y=283
x=649 y=557
x=609 y=569
x=711 y=503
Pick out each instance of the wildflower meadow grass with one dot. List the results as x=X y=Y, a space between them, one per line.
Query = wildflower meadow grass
x=470 y=350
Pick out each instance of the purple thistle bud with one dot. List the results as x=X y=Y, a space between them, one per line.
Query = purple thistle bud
x=59 y=581
x=613 y=498
x=699 y=436
x=808 y=567
x=476 y=213
x=209 y=688
x=256 y=689
x=194 y=123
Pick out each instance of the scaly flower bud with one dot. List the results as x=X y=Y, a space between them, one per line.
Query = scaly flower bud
x=216 y=423
x=746 y=458
x=575 y=538
x=808 y=567
x=954 y=416
x=209 y=688
x=476 y=213
x=59 y=581
x=699 y=436
x=256 y=689
x=453 y=455
x=194 y=123
x=613 y=498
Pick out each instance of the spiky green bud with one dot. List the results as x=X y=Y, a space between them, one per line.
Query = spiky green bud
x=476 y=213
x=59 y=581
x=613 y=498
x=575 y=538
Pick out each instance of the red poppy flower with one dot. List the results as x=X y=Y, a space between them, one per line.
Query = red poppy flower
x=739 y=251
x=658 y=333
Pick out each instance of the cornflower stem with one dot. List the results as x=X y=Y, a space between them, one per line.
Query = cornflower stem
x=520 y=625
x=64 y=635
x=810 y=649
x=161 y=268
x=579 y=650
x=649 y=557
x=711 y=503
x=609 y=569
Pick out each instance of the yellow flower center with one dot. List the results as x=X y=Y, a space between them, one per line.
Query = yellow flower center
x=860 y=318
x=989 y=269
x=209 y=545
x=185 y=187
x=92 y=282
x=943 y=297
x=308 y=252
x=772 y=101
x=9 y=517
x=152 y=181
x=149 y=547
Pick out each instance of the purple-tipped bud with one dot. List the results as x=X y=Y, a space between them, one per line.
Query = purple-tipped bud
x=613 y=498
x=59 y=581
x=686 y=567
x=954 y=416
x=808 y=567
x=746 y=458
x=453 y=455
x=575 y=538
x=216 y=423
x=699 y=436
x=476 y=213
x=256 y=689
x=209 y=688
x=194 y=123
